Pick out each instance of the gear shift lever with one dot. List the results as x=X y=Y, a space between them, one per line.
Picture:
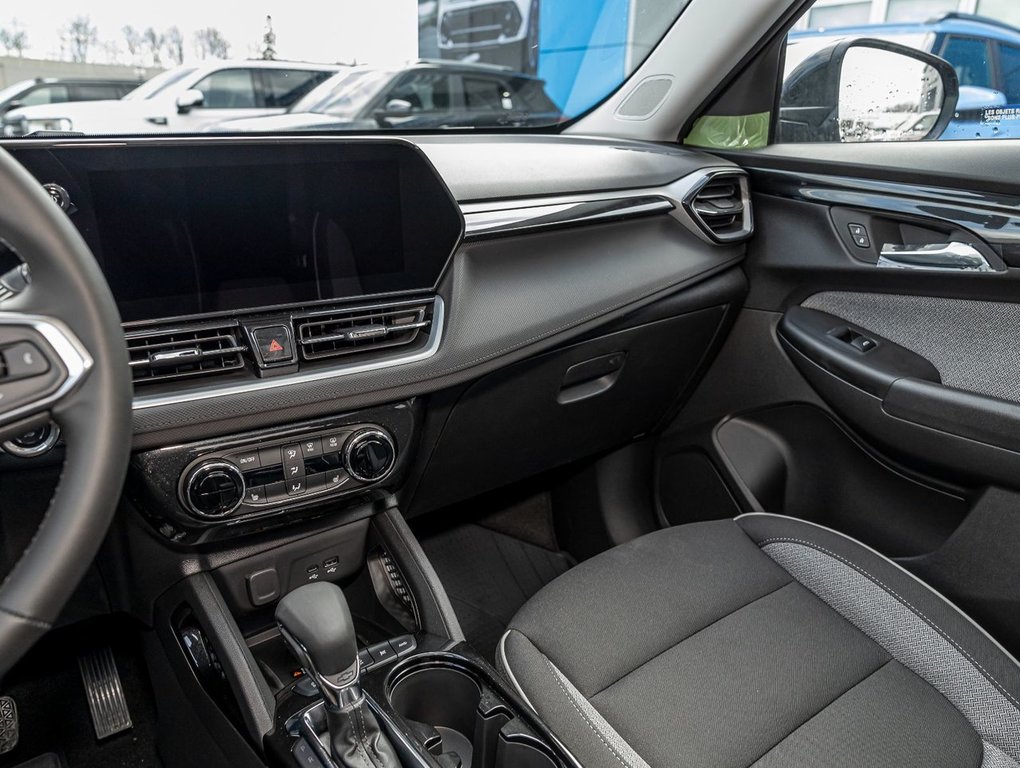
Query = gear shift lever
x=316 y=623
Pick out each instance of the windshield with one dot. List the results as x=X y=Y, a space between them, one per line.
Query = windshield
x=159 y=83
x=13 y=90
x=384 y=65
x=344 y=94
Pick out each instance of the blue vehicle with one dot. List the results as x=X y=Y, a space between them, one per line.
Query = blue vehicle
x=984 y=52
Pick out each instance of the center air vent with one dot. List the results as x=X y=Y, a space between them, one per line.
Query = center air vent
x=189 y=350
x=333 y=333
x=721 y=206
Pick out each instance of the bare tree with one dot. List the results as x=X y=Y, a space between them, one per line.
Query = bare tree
x=14 y=40
x=210 y=43
x=173 y=40
x=268 y=51
x=80 y=35
x=153 y=43
x=134 y=43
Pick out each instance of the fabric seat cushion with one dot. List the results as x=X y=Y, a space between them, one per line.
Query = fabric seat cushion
x=760 y=641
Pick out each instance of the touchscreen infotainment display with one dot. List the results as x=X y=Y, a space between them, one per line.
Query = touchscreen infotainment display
x=183 y=231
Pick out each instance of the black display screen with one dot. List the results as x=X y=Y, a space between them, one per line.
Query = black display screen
x=217 y=229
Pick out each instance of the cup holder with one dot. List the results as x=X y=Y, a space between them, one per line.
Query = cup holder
x=446 y=699
x=470 y=718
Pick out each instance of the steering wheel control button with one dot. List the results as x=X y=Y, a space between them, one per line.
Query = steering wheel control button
x=215 y=489
x=370 y=455
x=59 y=196
x=35 y=443
x=23 y=361
x=275 y=345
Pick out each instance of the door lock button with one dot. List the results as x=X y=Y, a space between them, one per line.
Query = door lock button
x=860 y=235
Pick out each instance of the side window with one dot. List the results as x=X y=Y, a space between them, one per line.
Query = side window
x=1009 y=63
x=485 y=95
x=47 y=94
x=228 y=89
x=425 y=91
x=94 y=92
x=969 y=57
x=283 y=87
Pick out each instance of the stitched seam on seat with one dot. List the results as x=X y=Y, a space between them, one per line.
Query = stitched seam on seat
x=987 y=675
x=584 y=716
x=693 y=634
x=775 y=746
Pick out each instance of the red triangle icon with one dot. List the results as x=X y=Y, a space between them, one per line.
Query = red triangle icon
x=275 y=346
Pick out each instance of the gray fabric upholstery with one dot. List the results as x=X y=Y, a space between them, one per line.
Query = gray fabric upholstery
x=740 y=643
x=975 y=345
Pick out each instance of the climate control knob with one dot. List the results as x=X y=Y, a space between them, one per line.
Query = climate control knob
x=214 y=489
x=370 y=455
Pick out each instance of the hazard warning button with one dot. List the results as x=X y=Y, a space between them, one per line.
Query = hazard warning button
x=275 y=344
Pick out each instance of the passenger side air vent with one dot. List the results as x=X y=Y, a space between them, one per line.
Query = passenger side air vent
x=188 y=350
x=721 y=206
x=333 y=333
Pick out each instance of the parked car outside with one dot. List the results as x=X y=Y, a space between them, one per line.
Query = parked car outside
x=984 y=52
x=52 y=90
x=186 y=99
x=422 y=95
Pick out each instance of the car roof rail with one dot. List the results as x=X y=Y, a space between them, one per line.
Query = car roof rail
x=961 y=16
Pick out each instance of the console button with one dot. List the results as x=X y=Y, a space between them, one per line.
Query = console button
x=365 y=657
x=269 y=457
x=276 y=491
x=274 y=344
x=333 y=443
x=293 y=462
x=296 y=487
x=335 y=478
x=24 y=360
x=311 y=447
x=382 y=652
x=255 y=495
x=248 y=460
x=403 y=644
x=263 y=586
x=315 y=482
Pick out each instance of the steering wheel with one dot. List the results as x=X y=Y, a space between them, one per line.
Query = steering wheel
x=65 y=360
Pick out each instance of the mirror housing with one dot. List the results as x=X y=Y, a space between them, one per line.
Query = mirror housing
x=818 y=104
x=188 y=100
x=396 y=107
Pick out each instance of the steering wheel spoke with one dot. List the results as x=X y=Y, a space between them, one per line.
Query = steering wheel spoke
x=42 y=364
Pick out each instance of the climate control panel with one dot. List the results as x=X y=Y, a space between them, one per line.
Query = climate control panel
x=272 y=474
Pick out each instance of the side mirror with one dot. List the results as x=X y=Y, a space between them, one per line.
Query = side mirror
x=16 y=104
x=868 y=90
x=398 y=107
x=188 y=100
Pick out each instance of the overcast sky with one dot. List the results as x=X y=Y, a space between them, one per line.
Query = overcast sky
x=370 y=31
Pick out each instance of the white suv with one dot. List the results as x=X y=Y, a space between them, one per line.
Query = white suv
x=182 y=100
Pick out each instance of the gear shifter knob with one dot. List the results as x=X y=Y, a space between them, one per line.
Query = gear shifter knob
x=316 y=623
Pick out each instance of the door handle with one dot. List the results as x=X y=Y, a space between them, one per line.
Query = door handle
x=944 y=257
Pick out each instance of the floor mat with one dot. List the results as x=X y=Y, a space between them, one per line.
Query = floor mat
x=53 y=709
x=488 y=577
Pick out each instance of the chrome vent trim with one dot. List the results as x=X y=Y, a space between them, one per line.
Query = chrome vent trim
x=721 y=205
x=344 y=367
x=185 y=351
x=505 y=218
x=342 y=332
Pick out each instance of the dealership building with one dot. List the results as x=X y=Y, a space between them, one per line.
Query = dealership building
x=839 y=13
